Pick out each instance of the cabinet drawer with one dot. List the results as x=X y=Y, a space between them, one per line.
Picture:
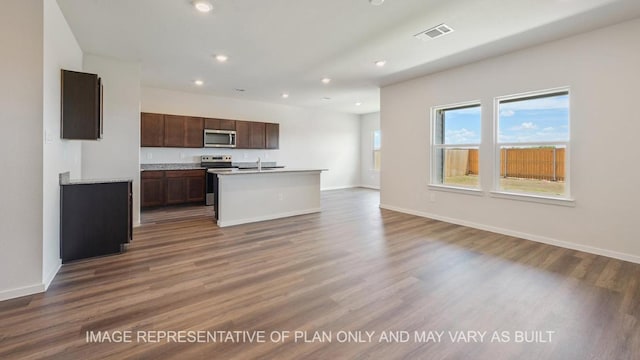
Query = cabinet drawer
x=184 y=173
x=151 y=174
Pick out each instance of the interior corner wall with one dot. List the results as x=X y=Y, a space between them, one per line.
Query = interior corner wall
x=601 y=69
x=116 y=155
x=61 y=51
x=368 y=176
x=309 y=138
x=21 y=143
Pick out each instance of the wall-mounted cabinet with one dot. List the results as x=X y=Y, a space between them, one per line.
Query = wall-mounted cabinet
x=160 y=130
x=219 y=124
x=152 y=130
x=172 y=187
x=81 y=103
x=272 y=136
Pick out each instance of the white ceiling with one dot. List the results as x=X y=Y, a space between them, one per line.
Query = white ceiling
x=277 y=46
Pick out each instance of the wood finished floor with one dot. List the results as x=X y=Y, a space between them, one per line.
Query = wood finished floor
x=352 y=267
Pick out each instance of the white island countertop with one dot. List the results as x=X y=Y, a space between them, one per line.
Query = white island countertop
x=256 y=171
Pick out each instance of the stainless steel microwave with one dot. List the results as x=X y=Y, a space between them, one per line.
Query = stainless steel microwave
x=220 y=138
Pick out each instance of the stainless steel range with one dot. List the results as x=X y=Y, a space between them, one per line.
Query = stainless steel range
x=214 y=162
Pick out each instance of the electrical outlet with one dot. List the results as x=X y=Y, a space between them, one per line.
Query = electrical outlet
x=149 y=156
x=432 y=197
x=280 y=196
x=182 y=155
x=246 y=156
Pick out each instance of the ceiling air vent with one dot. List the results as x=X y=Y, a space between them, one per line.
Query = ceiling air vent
x=434 y=32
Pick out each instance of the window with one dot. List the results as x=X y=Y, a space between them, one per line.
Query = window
x=376 y=150
x=455 y=145
x=533 y=144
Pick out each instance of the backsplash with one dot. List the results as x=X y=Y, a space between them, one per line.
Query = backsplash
x=150 y=155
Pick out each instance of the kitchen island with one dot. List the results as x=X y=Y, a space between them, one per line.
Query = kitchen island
x=246 y=196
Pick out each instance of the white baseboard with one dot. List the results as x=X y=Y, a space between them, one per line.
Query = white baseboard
x=49 y=277
x=23 y=291
x=267 y=217
x=522 y=235
x=370 y=187
x=339 y=187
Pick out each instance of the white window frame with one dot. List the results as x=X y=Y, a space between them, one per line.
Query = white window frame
x=434 y=183
x=374 y=149
x=565 y=199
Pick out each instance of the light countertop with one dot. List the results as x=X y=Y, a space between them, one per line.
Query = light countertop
x=221 y=172
x=168 y=167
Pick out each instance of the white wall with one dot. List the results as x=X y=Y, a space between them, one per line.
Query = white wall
x=21 y=40
x=116 y=155
x=308 y=137
x=61 y=51
x=601 y=67
x=368 y=176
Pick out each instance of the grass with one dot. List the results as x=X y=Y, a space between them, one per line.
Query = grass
x=541 y=187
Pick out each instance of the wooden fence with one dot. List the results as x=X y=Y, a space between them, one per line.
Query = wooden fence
x=529 y=163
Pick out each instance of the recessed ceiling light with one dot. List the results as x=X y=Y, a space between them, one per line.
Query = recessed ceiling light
x=376 y=2
x=222 y=58
x=358 y=103
x=325 y=80
x=326 y=98
x=199 y=82
x=381 y=63
x=203 y=6
x=285 y=95
x=239 y=90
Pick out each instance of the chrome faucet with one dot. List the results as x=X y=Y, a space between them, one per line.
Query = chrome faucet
x=259 y=162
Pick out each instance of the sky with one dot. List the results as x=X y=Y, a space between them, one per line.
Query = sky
x=545 y=119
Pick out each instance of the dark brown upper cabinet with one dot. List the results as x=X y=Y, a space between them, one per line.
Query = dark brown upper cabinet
x=194 y=132
x=151 y=129
x=174 y=130
x=243 y=135
x=183 y=131
x=257 y=135
x=81 y=104
x=162 y=130
x=272 y=136
x=219 y=124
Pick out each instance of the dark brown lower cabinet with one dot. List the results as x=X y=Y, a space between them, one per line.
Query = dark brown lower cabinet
x=172 y=187
x=176 y=190
x=95 y=219
x=152 y=188
x=196 y=188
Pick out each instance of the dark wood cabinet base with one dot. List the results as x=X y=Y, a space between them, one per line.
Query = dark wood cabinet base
x=95 y=219
x=172 y=187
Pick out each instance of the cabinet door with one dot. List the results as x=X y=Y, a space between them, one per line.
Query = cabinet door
x=152 y=188
x=174 y=130
x=81 y=106
x=227 y=124
x=243 y=135
x=196 y=188
x=257 y=135
x=212 y=124
x=219 y=124
x=272 y=136
x=151 y=130
x=194 y=132
x=176 y=190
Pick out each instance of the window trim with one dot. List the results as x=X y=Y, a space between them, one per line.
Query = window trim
x=565 y=199
x=433 y=182
x=374 y=149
